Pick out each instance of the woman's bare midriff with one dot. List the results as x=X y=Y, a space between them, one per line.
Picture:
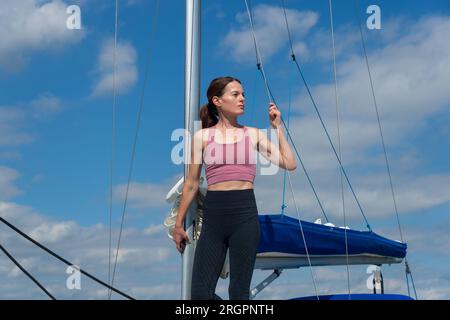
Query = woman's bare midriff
x=231 y=185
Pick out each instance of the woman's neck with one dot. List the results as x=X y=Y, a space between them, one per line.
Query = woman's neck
x=227 y=123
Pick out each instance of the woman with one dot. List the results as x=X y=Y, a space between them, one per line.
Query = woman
x=230 y=215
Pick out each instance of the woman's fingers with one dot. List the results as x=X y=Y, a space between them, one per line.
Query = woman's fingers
x=273 y=107
x=274 y=115
x=180 y=244
x=273 y=110
x=181 y=239
x=179 y=247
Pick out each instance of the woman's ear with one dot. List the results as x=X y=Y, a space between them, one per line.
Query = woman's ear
x=216 y=101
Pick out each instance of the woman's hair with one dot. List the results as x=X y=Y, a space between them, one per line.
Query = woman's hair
x=208 y=112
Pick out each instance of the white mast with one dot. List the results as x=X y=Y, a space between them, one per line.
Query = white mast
x=191 y=107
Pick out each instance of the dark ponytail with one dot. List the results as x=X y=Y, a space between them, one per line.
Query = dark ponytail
x=209 y=115
x=208 y=112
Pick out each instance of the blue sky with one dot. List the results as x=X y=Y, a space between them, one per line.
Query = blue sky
x=55 y=133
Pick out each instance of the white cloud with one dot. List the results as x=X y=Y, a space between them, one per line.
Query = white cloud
x=411 y=77
x=27 y=26
x=26 y=263
x=11 y=122
x=142 y=256
x=45 y=105
x=149 y=267
x=51 y=233
x=15 y=121
x=158 y=291
x=435 y=291
x=142 y=195
x=10 y=155
x=154 y=229
x=301 y=50
x=8 y=189
x=270 y=33
x=126 y=70
x=372 y=190
x=38 y=177
x=347 y=41
x=434 y=239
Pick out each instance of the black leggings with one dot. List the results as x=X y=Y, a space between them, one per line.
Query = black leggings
x=230 y=220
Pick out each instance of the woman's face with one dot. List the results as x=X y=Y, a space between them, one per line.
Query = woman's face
x=233 y=100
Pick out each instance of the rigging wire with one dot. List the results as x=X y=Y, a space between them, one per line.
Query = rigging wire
x=339 y=142
x=283 y=204
x=259 y=64
x=27 y=273
x=138 y=122
x=408 y=272
x=375 y=104
x=62 y=259
x=272 y=99
x=324 y=127
x=113 y=136
x=270 y=96
x=313 y=276
x=261 y=68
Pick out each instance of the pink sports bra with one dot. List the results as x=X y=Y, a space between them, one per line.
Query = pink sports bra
x=229 y=161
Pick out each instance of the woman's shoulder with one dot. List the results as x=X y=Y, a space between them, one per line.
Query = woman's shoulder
x=202 y=135
x=253 y=133
x=252 y=130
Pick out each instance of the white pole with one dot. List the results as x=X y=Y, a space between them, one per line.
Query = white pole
x=192 y=104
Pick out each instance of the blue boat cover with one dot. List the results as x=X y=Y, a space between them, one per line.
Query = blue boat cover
x=281 y=233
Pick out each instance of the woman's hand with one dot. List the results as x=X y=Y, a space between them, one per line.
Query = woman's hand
x=274 y=116
x=181 y=238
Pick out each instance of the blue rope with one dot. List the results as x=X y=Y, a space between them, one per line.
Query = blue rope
x=283 y=205
x=271 y=98
x=322 y=122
